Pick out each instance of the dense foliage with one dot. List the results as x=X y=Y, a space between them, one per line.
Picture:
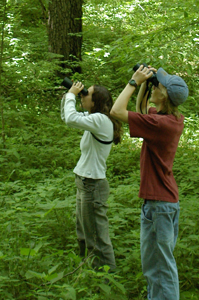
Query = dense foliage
x=38 y=249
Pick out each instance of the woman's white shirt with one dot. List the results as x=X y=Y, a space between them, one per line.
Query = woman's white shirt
x=92 y=163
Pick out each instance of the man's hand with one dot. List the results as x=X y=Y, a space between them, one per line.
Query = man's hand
x=76 y=88
x=142 y=74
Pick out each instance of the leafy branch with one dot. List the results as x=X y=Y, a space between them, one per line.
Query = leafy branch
x=1 y=71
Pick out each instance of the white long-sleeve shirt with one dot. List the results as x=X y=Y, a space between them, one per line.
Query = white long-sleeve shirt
x=92 y=163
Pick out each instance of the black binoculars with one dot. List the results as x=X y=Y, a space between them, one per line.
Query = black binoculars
x=153 y=79
x=68 y=83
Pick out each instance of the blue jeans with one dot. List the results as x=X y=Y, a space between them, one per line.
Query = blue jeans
x=159 y=231
x=92 y=224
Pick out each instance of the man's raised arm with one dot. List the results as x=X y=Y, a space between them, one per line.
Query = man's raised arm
x=119 y=109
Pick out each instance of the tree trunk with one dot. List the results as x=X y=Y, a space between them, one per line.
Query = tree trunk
x=65 y=31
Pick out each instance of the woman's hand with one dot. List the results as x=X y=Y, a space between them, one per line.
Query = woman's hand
x=76 y=88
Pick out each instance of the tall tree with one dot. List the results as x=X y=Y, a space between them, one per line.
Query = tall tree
x=65 y=31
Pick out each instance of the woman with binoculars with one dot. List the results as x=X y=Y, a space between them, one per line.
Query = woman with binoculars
x=100 y=131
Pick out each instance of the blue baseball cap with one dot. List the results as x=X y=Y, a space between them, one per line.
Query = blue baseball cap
x=175 y=85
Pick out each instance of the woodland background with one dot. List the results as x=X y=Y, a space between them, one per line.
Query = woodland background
x=38 y=248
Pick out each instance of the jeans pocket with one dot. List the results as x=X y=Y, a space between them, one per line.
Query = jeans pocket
x=165 y=226
x=147 y=224
x=85 y=184
x=146 y=214
x=89 y=186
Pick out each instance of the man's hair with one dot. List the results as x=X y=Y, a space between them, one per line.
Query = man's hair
x=176 y=87
x=169 y=108
x=103 y=103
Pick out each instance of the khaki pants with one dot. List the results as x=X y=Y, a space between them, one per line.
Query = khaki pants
x=91 y=221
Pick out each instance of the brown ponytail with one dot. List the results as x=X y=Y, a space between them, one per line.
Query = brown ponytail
x=103 y=103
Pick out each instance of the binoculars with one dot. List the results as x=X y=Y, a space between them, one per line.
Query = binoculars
x=68 y=83
x=153 y=79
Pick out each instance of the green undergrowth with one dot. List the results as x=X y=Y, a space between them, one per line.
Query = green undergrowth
x=38 y=249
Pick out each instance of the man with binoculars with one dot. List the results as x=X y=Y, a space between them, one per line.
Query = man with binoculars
x=160 y=128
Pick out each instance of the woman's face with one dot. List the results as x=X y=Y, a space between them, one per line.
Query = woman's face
x=86 y=101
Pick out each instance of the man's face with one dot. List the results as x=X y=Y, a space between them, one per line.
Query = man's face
x=157 y=95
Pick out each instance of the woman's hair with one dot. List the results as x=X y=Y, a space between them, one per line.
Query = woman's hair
x=169 y=107
x=103 y=103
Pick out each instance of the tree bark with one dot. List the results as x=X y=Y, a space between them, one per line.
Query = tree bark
x=65 y=31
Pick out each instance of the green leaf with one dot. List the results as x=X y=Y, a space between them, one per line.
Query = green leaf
x=37 y=248
x=105 y=288
x=2 y=255
x=117 y=284
x=53 y=268
x=58 y=277
x=31 y=274
x=27 y=252
x=71 y=294
x=186 y=14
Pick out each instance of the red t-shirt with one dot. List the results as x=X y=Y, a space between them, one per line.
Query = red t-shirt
x=161 y=134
